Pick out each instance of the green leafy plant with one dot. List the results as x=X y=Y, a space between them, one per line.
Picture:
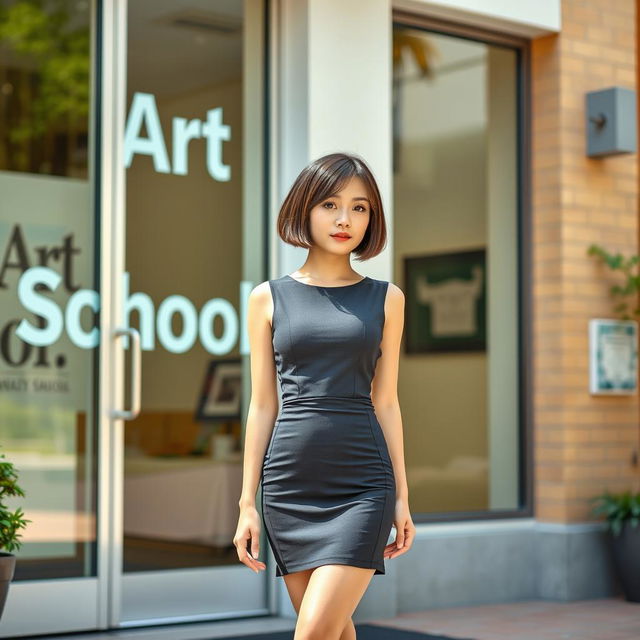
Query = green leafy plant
x=631 y=285
x=57 y=47
x=10 y=521
x=618 y=509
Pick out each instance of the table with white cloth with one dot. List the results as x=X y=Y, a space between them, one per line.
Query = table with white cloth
x=187 y=499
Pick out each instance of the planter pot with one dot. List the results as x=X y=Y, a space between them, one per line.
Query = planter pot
x=7 y=567
x=626 y=556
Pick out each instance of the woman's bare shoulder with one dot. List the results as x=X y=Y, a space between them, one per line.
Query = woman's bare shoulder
x=260 y=296
x=395 y=294
x=261 y=290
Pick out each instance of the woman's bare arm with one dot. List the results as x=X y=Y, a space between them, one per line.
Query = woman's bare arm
x=263 y=409
x=384 y=388
x=263 y=406
x=384 y=395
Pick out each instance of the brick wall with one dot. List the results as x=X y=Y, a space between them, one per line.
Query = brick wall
x=582 y=443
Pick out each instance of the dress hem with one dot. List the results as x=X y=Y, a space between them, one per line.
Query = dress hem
x=312 y=564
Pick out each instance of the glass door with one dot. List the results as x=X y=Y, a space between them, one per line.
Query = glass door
x=132 y=222
x=49 y=292
x=188 y=250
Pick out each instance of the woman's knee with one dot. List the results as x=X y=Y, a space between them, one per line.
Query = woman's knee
x=317 y=628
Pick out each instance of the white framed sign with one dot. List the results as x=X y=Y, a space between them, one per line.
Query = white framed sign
x=613 y=356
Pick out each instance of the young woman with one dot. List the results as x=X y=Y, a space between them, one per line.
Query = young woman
x=332 y=466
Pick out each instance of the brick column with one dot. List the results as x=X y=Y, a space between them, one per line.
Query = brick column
x=582 y=443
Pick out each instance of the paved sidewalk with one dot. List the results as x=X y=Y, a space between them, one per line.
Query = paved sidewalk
x=603 y=619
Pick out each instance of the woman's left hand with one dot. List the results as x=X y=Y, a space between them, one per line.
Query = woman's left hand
x=405 y=531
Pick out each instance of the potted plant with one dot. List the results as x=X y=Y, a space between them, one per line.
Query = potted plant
x=10 y=523
x=622 y=512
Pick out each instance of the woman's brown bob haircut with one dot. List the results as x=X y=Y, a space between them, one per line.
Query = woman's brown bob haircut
x=322 y=179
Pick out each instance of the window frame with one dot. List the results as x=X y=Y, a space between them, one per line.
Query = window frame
x=522 y=48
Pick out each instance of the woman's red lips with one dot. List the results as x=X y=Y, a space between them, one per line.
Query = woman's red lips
x=340 y=235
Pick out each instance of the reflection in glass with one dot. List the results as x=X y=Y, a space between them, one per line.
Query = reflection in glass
x=47 y=220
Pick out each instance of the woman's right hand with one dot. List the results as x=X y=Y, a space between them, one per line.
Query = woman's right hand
x=249 y=529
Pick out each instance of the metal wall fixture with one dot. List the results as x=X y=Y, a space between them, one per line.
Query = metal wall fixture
x=611 y=121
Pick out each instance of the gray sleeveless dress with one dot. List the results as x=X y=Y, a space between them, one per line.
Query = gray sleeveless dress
x=328 y=487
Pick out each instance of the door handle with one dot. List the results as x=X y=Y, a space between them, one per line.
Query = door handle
x=132 y=413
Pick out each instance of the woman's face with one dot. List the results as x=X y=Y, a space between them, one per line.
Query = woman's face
x=345 y=213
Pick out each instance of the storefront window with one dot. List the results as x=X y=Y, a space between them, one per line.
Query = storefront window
x=47 y=222
x=456 y=240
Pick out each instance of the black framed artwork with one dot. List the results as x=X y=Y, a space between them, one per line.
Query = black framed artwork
x=445 y=301
x=220 y=395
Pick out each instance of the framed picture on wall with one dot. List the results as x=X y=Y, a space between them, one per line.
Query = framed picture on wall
x=613 y=356
x=445 y=302
x=220 y=395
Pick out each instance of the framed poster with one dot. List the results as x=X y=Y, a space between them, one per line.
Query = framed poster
x=445 y=302
x=613 y=356
x=220 y=396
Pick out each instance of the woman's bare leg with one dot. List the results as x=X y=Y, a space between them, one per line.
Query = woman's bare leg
x=330 y=598
x=349 y=631
x=296 y=584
